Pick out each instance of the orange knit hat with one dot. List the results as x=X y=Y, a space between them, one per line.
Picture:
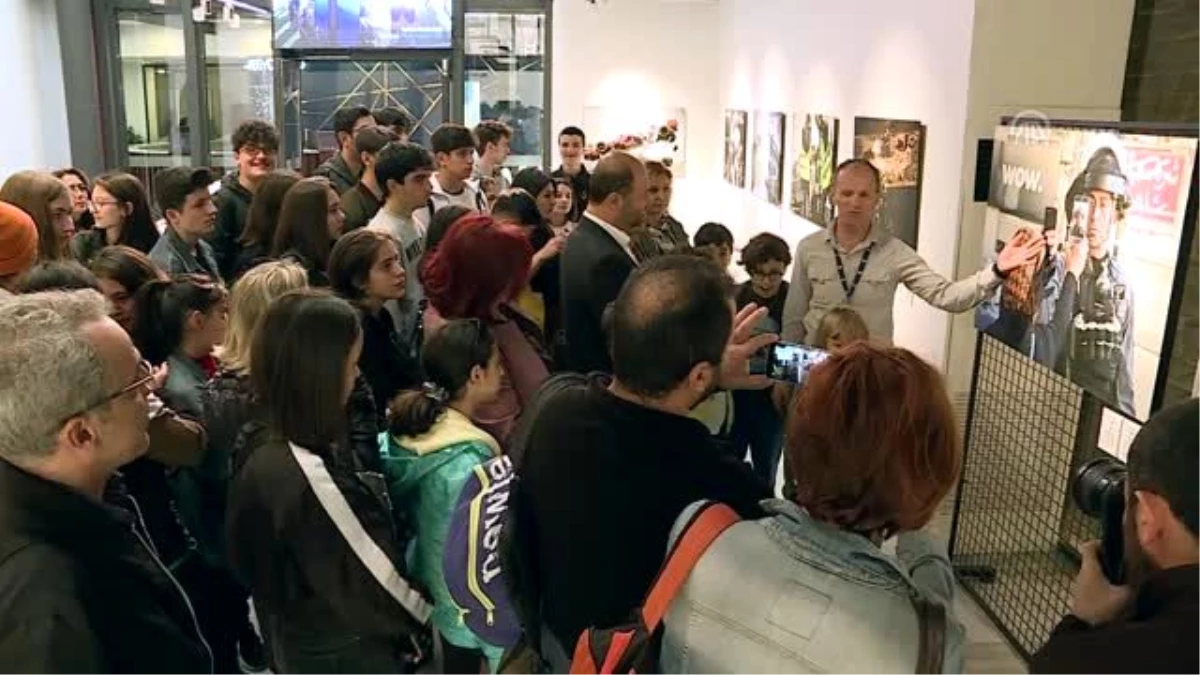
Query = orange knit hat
x=18 y=240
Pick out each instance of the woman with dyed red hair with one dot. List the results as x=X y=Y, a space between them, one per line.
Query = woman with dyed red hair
x=874 y=446
x=477 y=272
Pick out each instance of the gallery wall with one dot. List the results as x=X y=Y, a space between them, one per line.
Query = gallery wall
x=37 y=127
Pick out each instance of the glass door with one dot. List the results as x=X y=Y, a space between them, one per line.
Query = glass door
x=505 y=78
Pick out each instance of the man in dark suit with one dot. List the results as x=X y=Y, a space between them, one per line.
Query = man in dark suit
x=598 y=258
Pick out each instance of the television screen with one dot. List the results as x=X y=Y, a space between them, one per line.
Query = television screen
x=1111 y=204
x=362 y=24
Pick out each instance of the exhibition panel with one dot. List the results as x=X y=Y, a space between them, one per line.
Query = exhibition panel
x=815 y=151
x=897 y=149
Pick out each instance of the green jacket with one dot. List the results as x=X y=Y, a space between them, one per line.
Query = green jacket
x=425 y=475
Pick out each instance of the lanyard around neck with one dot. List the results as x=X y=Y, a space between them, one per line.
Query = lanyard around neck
x=849 y=288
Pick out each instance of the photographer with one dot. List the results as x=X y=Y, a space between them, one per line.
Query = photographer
x=1150 y=625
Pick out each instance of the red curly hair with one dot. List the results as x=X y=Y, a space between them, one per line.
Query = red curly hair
x=873 y=441
x=479 y=264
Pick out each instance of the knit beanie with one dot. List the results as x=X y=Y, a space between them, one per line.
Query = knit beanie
x=18 y=240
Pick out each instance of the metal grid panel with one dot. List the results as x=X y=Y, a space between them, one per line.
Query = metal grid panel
x=1013 y=514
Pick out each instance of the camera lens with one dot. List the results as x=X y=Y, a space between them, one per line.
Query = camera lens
x=1095 y=484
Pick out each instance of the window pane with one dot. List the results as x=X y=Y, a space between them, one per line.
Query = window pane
x=237 y=46
x=505 y=74
x=153 y=82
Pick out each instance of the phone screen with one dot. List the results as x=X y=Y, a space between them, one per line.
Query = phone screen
x=1081 y=211
x=790 y=362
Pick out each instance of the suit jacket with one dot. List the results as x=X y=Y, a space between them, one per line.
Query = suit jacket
x=594 y=267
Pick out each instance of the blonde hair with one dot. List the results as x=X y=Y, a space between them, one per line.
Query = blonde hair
x=32 y=192
x=252 y=295
x=843 y=323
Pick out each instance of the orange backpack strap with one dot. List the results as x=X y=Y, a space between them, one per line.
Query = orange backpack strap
x=705 y=526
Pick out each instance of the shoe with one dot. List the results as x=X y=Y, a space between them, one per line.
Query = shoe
x=252 y=656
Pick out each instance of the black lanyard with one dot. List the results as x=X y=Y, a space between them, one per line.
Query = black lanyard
x=862 y=265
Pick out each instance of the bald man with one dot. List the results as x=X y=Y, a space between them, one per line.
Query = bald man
x=599 y=258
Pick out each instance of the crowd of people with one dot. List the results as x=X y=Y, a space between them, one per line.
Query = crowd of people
x=266 y=421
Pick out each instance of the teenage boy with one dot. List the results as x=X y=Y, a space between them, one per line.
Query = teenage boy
x=183 y=197
x=395 y=119
x=716 y=241
x=494 y=146
x=362 y=203
x=344 y=168
x=255 y=146
x=403 y=171
x=570 y=147
x=454 y=152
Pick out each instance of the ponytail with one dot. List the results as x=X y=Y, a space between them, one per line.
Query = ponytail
x=448 y=356
x=415 y=412
x=162 y=308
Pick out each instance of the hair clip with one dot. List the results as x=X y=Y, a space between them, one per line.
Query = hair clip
x=438 y=394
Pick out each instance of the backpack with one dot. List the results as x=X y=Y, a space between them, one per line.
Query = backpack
x=633 y=647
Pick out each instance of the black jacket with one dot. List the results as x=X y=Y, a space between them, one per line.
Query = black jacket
x=385 y=361
x=228 y=404
x=340 y=175
x=233 y=205
x=594 y=267
x=579 y=187
x=360 y=205
x=81 y=590
x=316 y=275
x=302 y=530
x=1158 y=637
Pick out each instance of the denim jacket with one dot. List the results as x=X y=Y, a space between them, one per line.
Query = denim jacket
x=790 y=594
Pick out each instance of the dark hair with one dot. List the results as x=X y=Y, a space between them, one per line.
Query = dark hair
x=762 y=249
x=478 y=263
x=57 y=275
x=345 y=119
x=257 y=133
x=127 y=266
x=172 y=186
x=1163 y=459
x=448 y=356
x=860 y=162
x=72 y=171
x=672 y=314
x=397 y=160
x=873 y=441
x=713 y=234
x=138 y=230
x=532 y=180
x=263 y=219
x=395 y=118
x=351 y=261
x=440 y=224
x=491 y=131
x=373 y=139
x=304 y=223
x=517 y=206
x=572 y=131
x=162 y=307
x=654 y=168
x=299 y=355
x=613 y=175
x=450 y=137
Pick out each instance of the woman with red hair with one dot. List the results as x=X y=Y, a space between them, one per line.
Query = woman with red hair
x=875 y=449
x=476 y=272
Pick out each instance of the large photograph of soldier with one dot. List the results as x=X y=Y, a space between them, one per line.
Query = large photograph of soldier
x=814 y=144
x=1111 y=207
x=735 y=147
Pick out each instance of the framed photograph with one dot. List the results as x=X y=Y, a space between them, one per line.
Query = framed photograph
x=897 y=149
x=1112 y=205
x=735 y=147
x=814 y=145
x=649 y=135
x=768 y=157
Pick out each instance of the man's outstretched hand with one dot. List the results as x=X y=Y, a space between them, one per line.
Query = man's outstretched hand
x=743 y=345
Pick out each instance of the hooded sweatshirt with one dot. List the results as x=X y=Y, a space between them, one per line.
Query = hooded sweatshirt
x=233 y=205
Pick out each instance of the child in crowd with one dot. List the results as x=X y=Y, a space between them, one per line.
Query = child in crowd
x=716 y=241
x=433 y=448
x=757 y=425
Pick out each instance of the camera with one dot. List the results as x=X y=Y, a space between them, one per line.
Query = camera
x=1098 y=489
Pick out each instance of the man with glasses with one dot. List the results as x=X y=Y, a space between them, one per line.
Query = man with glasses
x=81 y=589
x=255 y=145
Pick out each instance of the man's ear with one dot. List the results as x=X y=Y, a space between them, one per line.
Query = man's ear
x=701 y=377
x=172 y=215
x=1152 y=517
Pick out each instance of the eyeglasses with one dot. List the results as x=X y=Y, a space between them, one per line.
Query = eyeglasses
x=255 y=150
x=774 y=274
x=143 y=378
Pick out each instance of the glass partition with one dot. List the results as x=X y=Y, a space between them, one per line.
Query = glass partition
x=505 y=78
x=240 y=69
x=153 y=79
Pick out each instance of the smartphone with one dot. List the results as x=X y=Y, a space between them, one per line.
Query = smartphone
x=1050 y=229
x=791 y=362
x=1081 y=211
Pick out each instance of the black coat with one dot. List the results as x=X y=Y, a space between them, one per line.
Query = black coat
x=81 y=591
x=233 y=205
x=385 y=360
x=305 y=560
x=594 y=267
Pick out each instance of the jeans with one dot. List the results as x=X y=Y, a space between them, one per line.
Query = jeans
x=756 y=424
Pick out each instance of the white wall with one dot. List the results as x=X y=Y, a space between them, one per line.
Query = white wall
x=35 y=121
x=871 y=58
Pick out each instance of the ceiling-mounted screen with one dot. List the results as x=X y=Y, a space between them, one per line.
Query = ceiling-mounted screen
x=362 y=24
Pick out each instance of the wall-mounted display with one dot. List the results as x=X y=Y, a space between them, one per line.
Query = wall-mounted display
x=735 y=147
x=1112 y=207
x=814 y=145
x=658 y=135
x=897 y=149
x=362 y=24
x=768 y=157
